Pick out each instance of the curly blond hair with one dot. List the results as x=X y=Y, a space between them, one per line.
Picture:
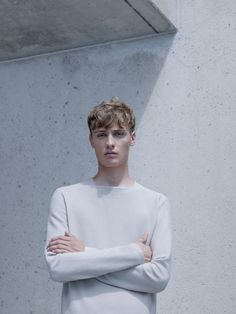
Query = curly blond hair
x=107 y=113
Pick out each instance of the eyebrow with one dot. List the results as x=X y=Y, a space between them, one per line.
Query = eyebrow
x=97 y=131
x=104 y=130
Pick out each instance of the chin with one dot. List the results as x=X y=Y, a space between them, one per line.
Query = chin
x=110 y=164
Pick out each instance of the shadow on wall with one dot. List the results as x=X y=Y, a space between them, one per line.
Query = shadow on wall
x=44 y=139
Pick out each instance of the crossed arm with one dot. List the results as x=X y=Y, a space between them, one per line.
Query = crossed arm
x=69 y=243
x=135 y=266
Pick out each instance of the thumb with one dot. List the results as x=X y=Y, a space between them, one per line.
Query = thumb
x=68 y=234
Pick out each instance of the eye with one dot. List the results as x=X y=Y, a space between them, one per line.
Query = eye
x=120 y=133
x=101 y=134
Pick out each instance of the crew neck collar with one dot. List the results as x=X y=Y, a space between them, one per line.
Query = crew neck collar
x=113 y=186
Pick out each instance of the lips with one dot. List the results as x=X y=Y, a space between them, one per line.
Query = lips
x=110 y=153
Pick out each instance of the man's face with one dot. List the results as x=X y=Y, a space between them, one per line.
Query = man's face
x=112 y=145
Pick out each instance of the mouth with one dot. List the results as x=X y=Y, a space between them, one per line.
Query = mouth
x=110 y=153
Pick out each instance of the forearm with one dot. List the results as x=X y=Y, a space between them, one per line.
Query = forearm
x=150 y=277
x=92 y=262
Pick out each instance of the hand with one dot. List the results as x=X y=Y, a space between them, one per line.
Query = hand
x=146 y=248
x=65 y=244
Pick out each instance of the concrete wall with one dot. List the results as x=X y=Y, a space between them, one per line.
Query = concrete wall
x=183 y=92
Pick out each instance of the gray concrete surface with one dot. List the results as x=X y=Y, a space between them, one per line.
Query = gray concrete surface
x=44 y=144
x=183 y=91
x=41 y=26
x=170 y=9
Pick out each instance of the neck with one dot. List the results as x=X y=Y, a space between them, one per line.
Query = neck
x=117 y=176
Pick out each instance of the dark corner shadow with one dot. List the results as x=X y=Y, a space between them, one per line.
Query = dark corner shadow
x=147 y=64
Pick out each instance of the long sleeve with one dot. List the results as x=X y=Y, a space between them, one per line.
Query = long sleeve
x=149 y=277
x=90 y=263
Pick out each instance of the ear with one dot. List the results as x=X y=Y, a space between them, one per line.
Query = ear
x=91 y=140
x=133 y=138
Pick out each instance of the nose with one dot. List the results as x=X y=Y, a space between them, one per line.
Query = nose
x=110 y=141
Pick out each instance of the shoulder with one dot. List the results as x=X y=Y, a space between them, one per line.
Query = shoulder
x=160 y=197
x=72 y=188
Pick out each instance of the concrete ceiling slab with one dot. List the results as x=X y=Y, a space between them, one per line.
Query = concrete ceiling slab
x=33 y=27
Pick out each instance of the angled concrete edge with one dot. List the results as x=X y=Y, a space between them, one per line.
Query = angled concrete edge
x=38 y=27
x=152 y=15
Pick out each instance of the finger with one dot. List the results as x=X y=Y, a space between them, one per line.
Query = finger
x=58 y=242
x=148 y=258
x=63 y=238
x=144 y=237
x=58 y=251
x=59 y=247
x=57 y=237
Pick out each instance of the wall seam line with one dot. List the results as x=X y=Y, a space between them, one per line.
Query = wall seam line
x=142 y=17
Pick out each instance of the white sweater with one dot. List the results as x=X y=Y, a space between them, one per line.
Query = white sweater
x=110 y=276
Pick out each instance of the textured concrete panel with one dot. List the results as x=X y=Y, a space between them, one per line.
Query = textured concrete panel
x=44 y=144
x=183 y=92
x=170 y=9
x=41 y=26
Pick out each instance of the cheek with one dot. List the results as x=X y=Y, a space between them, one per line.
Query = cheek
x=99 y=151
x=125 y=146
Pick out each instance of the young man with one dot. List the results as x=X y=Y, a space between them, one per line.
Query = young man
x=109 y=237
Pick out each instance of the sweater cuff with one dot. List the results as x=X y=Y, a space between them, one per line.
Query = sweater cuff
x=138 y=251
x=87 y=249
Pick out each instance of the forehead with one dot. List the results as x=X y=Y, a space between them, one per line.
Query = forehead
x=114 y=127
